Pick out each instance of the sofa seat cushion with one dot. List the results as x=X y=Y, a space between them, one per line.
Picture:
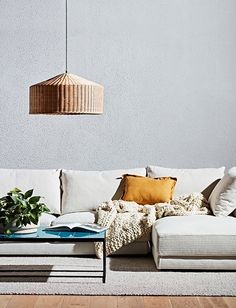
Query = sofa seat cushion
x=68 y=248
x=80 y=217
x=195 y=236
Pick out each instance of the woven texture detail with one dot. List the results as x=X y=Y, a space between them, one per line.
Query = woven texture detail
x=129 y=221
x=66 y=94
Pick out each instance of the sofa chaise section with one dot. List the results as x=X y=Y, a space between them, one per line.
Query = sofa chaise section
x=195 y=242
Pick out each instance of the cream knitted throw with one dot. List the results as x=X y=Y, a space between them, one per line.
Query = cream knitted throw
x=128 y=221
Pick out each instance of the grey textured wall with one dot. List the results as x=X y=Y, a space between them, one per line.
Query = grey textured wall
x=169 y=71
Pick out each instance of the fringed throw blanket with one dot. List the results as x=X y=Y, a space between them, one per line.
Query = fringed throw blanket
x=128 y=221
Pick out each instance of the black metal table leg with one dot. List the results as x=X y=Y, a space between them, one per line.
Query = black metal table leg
x=104 y=261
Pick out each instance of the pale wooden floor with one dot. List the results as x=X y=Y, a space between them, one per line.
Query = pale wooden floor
x=36 y=301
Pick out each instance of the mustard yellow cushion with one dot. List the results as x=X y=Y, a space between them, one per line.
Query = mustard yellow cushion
x=144 y=190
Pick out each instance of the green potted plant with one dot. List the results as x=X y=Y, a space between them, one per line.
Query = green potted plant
x=20 y=211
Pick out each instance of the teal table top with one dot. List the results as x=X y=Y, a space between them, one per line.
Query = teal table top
x=43 y=234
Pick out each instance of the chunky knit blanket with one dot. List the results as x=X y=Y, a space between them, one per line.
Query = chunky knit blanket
x=128 y=221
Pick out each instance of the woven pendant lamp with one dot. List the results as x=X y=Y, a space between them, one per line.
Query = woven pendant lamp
x=66 y=94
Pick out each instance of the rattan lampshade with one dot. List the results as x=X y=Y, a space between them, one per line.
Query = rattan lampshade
x=66 y=94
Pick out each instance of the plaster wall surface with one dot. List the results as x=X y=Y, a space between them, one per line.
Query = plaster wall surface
x=169 y=72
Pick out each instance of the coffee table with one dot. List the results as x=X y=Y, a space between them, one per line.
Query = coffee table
x=46 y=236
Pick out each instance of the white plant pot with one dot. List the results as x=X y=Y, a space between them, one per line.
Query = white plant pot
x=30 y=228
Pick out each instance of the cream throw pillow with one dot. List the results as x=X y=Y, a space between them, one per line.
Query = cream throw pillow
x=223 y=197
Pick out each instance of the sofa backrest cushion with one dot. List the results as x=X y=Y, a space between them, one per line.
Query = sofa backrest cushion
x=46 y=183
x=188 y=180
x=85 y=190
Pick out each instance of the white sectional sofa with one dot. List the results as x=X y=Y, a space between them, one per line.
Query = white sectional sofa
x=196 y=242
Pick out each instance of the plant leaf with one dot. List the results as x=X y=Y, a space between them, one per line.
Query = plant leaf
x=19 y=209
x=14 y=198
x=28 y=194
x=15 y=190
x=34 y=199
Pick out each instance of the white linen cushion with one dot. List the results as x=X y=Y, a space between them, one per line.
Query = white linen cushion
x=223 y=197
x=85 y=190
x=46 y=220
x=46 y=183
x=67 y=248
x=80 y=217
x=195 y=236
x=188 y=180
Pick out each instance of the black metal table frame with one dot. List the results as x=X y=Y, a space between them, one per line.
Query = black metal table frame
x=65 y=240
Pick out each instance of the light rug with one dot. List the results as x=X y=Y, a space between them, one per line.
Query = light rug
x=125 y=276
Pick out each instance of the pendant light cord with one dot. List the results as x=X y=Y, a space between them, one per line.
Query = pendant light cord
x=66 y=36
